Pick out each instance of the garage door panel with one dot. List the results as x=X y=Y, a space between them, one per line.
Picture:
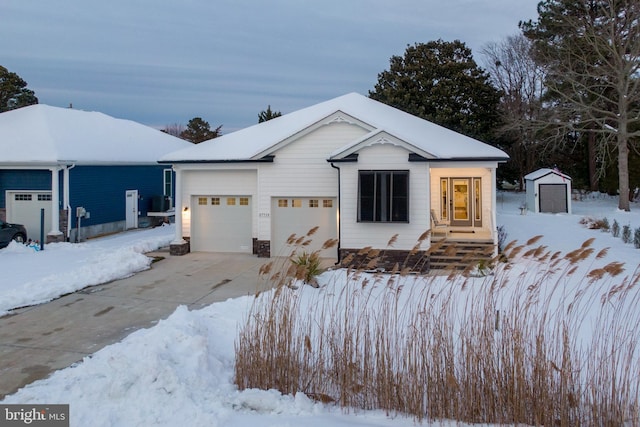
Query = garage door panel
x=298 y=216
x=221 y=224
x=23 y=207
x=553 y=198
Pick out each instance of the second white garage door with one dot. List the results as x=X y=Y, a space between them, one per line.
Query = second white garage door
x=298 y=216
x=221 y=224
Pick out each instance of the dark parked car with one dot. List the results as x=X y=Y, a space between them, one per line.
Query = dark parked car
x=9 y=232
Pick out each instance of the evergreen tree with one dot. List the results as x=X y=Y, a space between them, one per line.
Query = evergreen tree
x=268 y=114
x=199 y=130
x=440 y=82
x=13 y=91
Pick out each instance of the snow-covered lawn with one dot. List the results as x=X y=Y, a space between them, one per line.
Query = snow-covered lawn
x=32 y=277
x=180 y=372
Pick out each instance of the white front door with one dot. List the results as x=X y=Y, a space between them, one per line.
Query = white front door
x=461 y=208
x=131 y=209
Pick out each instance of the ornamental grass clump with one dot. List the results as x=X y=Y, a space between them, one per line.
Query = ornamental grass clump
x=298 y=264
x=308 y=266
x=595 y=224
x=548 y=339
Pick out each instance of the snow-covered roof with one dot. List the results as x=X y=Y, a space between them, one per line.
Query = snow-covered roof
x=544 y=172
x=42 y=134
x=255 y=141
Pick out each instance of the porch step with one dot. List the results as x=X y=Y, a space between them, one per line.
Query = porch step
x=459 y=254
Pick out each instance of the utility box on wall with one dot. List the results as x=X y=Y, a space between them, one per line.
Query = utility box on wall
x=548 y=190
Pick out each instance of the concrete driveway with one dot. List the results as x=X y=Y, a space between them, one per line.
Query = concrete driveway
x=35 y=341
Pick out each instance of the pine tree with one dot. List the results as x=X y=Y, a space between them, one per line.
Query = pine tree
x=13 y=91
x=268 y=114
x=440 y=82
x=199 y=130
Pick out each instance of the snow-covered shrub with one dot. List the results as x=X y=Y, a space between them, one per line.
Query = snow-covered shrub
x=502 y=237
x=626 y=233
x=636 y=238
x=615 y=229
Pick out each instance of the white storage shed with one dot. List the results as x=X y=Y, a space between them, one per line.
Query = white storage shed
x=548 y=190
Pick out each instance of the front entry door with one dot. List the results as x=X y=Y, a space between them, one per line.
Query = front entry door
x=461 y=208
x=131 y=209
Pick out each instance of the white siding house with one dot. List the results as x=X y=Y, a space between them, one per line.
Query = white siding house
x=360 y=170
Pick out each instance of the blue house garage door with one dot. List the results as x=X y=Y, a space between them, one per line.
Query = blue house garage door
x=221 y=224
x=553 y=198
x=24 y=207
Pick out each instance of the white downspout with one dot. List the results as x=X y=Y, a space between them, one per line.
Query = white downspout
x=178 y=240
x=494 y=208
x=66 y=196
x=55 y=203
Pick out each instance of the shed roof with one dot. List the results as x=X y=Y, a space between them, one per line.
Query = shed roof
x=540 y=173
x=255 y=141
x=42 y=134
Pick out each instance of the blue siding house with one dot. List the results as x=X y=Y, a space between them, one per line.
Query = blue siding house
x=86 y=172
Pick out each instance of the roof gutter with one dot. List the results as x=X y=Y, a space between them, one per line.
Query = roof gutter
x=413 y=157
x=265 y=159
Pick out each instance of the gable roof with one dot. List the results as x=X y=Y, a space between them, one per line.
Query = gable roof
x=42 y=134
x=254 y=142
x=544 y=172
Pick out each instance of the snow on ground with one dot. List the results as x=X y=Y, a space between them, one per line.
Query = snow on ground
x=32 y=277
x=180 y=371
x=563 y=232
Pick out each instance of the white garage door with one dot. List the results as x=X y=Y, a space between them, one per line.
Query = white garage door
x=221 y=224
x=23 y=207
x=298 y=216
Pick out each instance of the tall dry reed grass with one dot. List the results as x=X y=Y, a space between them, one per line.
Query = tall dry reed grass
x=548 y=340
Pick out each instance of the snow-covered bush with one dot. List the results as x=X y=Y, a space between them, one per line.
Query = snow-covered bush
x=626 y=233
x=615 y=229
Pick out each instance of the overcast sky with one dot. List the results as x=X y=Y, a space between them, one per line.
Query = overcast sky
x=161 y=62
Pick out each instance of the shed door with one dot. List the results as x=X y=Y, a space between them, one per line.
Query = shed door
x=297 y=216
x=221 y=224
x=553 y=198
x=23 y=207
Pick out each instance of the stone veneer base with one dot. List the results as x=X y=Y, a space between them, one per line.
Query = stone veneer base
x=263 y=248
x=387 y=259
x=179 y=249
